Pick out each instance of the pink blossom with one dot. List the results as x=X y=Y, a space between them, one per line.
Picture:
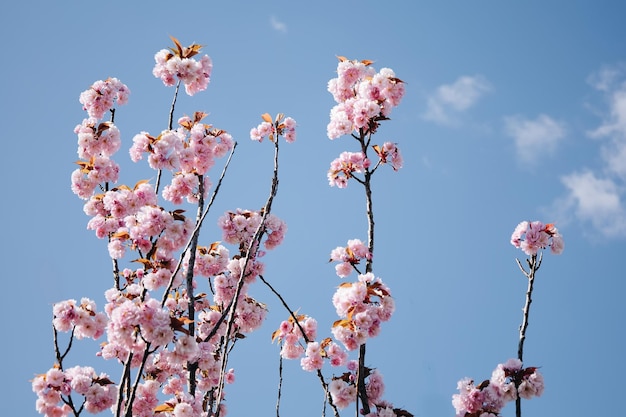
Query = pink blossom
x=102 y=95
x=285 y=127
x=100 y=397
x=364 y=97
x=375 y=387
x=389 y=153
x=344 y=168
x=342 y=393
x=531 y=237
x=313 y=360
x=337 y=356
x=183 y=410
x=490 y=397
x=229 y=377
x=195 y=75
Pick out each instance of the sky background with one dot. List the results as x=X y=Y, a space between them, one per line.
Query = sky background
x=513 y=111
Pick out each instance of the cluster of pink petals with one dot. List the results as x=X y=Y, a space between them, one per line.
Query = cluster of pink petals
x=390 y=154
x=362 y=306
x=82 y=318
x=130 y=219
x=531 y=237
x=364 y=97
x=344 y=168
x=290 y=334
x=286 y=128
x=132 y=323
x=508 y=381
x=349 y=256
x=97 y=143
x=343 y=391
x=210 y=261
x=189 y=152
x=56 y=385
x=102 y=95
x=195 y=75
x=316 y=352
x=240 y=226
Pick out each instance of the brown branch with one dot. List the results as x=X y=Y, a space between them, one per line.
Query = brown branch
x=196 y=230
x=320 y=376
x=533 y=263
x=253 y=247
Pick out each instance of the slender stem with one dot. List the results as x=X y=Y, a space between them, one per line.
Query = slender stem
x=133 y=391
x=533 y=264
x=124 y=384
x=253 y=247
x=280 y=384
x=196 y=230
x=320 y=376
x=170 y=123
x=191 y=309
x=361 y=392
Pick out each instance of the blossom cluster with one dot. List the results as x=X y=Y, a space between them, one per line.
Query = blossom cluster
x=531 y=237
x=98 y=391
x=179 y=63
x=188 y=152
x=281 y=126
x=98 y=141
x=291 y=332
x=240 y=226
x=148 y=334
x=362 y=306
x=82 y=319
x=292 y=336
x=349 y=256
x=508 y=381
x=344 y=168
x=343 y=390
x=364 y=97
x=389 y=153
x=102 y=95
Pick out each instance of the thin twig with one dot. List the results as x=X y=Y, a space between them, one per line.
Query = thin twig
x=196 y=230
x=253 y=247
x=191 y=308
x=533 y=264
x=280 y=384
x=320 y=376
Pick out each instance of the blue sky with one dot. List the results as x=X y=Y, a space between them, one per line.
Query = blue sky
x=514 y=111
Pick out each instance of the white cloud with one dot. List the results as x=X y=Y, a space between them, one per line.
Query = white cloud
x=277 y=25
x=596 y=200
x=605 y=78
x=451 y=99
x=616 y=121
x=534 y=138
x=598 y=196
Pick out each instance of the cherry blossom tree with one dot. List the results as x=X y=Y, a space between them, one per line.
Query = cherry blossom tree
x=179 y=303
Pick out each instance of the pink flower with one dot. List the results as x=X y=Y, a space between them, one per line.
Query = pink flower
x=342 y=393
x=344 y=168
x=375 y=387
x=179 y=64
x=531 y=237
x=313 y=360
x=364 y=97
x=389 y=153
x=102 y=95
x=282 y=126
